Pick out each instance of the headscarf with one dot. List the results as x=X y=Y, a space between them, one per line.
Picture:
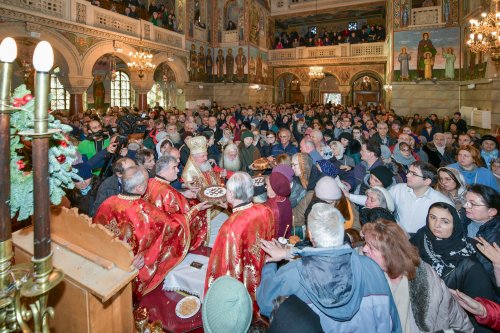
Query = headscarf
x=444 y=255
x=398 y=157
x=340 y=148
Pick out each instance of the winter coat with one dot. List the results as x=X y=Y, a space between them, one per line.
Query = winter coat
x=361 y=300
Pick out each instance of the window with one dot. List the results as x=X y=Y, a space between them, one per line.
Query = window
x=59 y=96
x=352 y=26
x=155 y=95
x=120 y=90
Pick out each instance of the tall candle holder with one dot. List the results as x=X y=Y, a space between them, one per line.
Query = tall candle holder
x=22 y=282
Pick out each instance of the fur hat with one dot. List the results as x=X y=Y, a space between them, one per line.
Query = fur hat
x=227 y=307
x=327 y=189
x=197 y=145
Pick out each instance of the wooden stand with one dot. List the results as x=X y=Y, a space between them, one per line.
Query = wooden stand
x=96 y=294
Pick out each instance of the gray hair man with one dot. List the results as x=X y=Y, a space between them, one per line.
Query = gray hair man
x=330 y=263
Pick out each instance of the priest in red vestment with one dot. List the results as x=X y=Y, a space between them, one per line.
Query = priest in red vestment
x=237 y=250
x=161 y=194
x=157 y=239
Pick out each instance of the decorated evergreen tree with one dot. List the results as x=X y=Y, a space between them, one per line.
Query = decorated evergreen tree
x=61 y=156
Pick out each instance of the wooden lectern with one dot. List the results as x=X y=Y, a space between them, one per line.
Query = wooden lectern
x=96 y=294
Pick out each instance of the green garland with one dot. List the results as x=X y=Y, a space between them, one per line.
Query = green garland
x=61 y=156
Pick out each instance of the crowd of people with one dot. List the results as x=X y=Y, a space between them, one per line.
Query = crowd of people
x=158 y=14
x=395 y=221
x=367 y=34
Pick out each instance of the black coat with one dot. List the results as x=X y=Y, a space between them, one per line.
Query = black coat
x=490 y=231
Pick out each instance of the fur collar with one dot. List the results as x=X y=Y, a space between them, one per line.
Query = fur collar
x=419 y=297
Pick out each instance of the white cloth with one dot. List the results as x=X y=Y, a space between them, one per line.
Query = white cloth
x=215 y=225
x=412 y=210
x=186 y=278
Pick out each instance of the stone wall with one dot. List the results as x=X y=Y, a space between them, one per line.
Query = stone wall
x=484 y=95
x=229 y=94
x=425 y=98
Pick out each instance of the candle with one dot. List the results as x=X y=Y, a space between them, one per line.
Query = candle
x=43 y=60
x=8 y=52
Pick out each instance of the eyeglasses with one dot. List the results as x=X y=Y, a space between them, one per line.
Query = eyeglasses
x=283 y=136
x=473 y=204
x=270 y=137
x=295 y=164
x=413 y=173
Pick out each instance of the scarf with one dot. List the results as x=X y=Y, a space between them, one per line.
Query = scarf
x=443 y=255
x=489 y=156
x=398 y=157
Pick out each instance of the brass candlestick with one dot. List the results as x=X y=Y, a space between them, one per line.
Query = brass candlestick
x=24 y=288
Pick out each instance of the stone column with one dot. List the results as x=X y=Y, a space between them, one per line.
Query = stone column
x=345 y=91
x=76 y=86
x=306 y=90
x=141 y=88
x=75 y=104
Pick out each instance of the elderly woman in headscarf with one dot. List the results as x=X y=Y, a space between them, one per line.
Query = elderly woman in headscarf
x=443 y=245
x=307 y=175
x=278 y=191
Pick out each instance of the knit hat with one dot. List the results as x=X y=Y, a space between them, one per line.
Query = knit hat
x=328 y=168
x=280 y=184
x=259 y=185
x=388 y=197
x=383 y=174
x=327 y=189
x=385 y=152
x=488 y=137
x=227 y=307
x=285 y=170
x=246 y=134
x=83 y=170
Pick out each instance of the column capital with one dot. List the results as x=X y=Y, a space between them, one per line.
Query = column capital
x=76 y=84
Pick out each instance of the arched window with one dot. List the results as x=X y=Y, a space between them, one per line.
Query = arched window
x=59 y=95
x=120 y=90
x=155 y=95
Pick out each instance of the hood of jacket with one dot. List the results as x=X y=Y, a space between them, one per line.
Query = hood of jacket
x=331 y=280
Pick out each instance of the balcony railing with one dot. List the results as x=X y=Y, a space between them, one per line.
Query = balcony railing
x=334 y=51
x=81 y=11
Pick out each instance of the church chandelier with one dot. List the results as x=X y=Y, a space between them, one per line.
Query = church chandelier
x=316 y=72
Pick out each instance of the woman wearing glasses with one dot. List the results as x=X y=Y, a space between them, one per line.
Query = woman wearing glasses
x=266 y=149
x=471 y=166
x=443 y=245
x=452 y=184
x=482 y=218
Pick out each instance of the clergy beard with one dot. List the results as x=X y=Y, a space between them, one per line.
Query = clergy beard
x=232 y=165
x=205 y=167
x=175 y=137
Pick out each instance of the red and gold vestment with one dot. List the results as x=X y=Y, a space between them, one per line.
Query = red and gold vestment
x=236 y=251
x=159 y=237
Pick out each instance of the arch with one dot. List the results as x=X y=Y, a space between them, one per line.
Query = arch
x=98 y=50
x=326 y=72
x=65 y=54
x=176 y=64
x=284 y=74
x=365 y=72
x=226 y=16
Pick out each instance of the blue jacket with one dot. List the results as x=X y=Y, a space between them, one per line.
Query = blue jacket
x=347 y=291
x=290 y=149
x=477 y=176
